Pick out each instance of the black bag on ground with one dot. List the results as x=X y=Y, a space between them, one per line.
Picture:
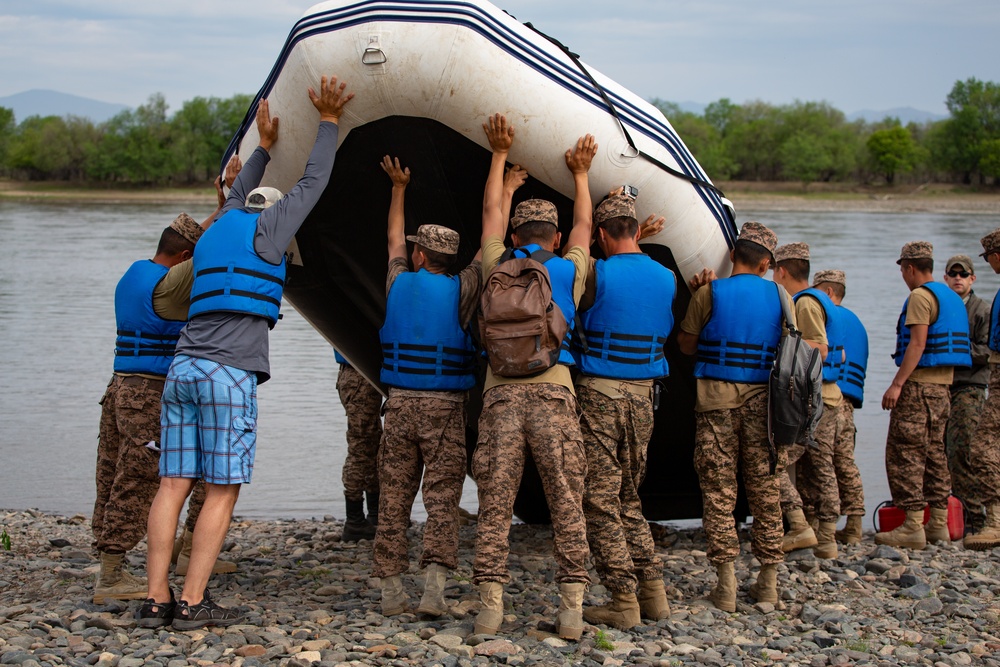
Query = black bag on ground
x=795 y=391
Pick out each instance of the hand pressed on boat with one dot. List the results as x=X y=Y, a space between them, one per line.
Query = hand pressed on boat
x=267 y=127
x=331 y=99
x=499 y=133
x=651 y=227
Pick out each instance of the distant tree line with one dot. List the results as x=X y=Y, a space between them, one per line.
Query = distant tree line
x=756 y=141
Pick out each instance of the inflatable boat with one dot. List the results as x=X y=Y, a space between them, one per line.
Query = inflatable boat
x=426 y=76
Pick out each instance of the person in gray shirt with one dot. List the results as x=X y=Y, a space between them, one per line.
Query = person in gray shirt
x=209 y=409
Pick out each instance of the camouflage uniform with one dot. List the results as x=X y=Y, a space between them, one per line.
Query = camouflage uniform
x=727 y=440
x=540 y=418
x=362 y=401
x=421 y=432
x=616 y=433
x=915 y=459
x=850 y=489
x=820 y=469
x=984 y=447
x=966 y=409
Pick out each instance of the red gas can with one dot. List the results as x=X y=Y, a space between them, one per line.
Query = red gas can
x=891 y=517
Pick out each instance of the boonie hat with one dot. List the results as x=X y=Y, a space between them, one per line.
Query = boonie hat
x=534 y=210
x=963 y=261
x=185 y=225
x=618 y=206
x=436 y=238
x=991 y=242
x=830 y=276
x=797 y=250
x=261 y=198
x=916 y=250
x=759 y=234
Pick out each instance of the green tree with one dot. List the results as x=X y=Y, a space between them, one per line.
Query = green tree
x=7 y=130
x=135 y=147
x=40 y=148
x=804 y=157
x=893 y=151
x=963 y=140
x=701 y=138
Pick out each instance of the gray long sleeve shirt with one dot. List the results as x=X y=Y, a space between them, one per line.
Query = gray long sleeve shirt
x=239 y=340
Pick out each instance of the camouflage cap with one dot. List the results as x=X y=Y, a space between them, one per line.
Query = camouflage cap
x=185 y=225
x=261 y=198
x=830 y=276
x=436 y=238
x=991 y=242
x=963 y=261
x=797 y=250
x=619 y=206
x=916 y=250
x=759 y=234
x=534 y=210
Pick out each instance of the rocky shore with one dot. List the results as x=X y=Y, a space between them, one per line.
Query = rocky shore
x=309 y=600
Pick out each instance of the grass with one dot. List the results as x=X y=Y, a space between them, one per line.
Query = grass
x=859 y=645
x=5 y=540
x=602 y=642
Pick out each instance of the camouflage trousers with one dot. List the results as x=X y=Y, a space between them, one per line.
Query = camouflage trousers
x=542 y=419
x=423 y=435
x=963 y=422
x=727 y=440
x=849 y=487
x=363 y=403
x=820 y=469
x=616 y=433
x=915 y=460
x=984 y=449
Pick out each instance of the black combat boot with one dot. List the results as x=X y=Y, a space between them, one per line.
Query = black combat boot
x=372 y=500
x=356 y=527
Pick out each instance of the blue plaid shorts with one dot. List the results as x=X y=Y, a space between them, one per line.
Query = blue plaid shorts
x=208 y=422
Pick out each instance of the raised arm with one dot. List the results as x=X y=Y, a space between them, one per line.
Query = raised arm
x=512 y=180
x=578 y=160
x=501 y=138
x=233 y=168
x=397 y=221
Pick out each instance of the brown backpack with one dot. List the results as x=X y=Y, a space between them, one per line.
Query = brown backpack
x=521 y=326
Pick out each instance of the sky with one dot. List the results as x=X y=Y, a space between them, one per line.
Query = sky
x=854 y=54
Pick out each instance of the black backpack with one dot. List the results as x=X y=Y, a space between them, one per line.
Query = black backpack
x=795 y=389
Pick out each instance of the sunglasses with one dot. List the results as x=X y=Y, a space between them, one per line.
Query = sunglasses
x=956 y=274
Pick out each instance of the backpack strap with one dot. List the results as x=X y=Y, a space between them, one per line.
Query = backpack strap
x=542 y=255
x=786 y=311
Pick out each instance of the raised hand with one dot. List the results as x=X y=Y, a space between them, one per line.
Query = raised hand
x=499 y=133
x=267 y=127
x=580 y=157
x=400 y=177
x=331 y=99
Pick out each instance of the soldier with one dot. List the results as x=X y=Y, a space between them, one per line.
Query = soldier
x=932 y=338
x=362 y=402
x=620 y=354
x=429 y=365
x=984 y=448
x=968 y=393
x=820 y=324
x=535 y=413
x=735 y=354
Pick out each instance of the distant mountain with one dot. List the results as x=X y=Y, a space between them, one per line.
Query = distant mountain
x=53 y=103
x=904 y=114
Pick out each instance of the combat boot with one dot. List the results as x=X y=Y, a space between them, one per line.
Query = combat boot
x=569 y=622
x=653 y=600
x=826 y=545
x=432 y=603
x=491 y=615
x=183 y=559
x=989 y=536
x=394 y=600
x=936 y=529
x=910 y=534
x=356 y=527
x=723 y=596
x=765 y=589
x=371 y=499
x=812 y=520
x=852 y=532
x=800 y=535
x=622 y=612
x=115 y=583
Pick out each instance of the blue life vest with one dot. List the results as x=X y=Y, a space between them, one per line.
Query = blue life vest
x=145 y=341
x=229 y=275
x=994 y=342
x=852 y=377
x=423 y=344
x=741 y=337
x=339 y=357
x=947 y=338
x=834 y=363
x=562 y=273
x=623 y=333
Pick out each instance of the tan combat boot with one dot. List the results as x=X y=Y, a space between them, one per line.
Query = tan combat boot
x=653 y=600
x=812 y=520
x=115 y=583
x=800 y=535
x=622 y=612
x=765 y=589
x=491 y=615
x=936 y=529
x=910 y=534
x=394 y=600
x=826 y=544
x=184 y=557
x=432 y=603
x=723 y=596
x=569 y=622
x=989 y=536
x=852 y=532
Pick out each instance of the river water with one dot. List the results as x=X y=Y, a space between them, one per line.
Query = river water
x=57 y=281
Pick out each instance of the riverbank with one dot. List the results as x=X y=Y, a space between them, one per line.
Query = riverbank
x=309 y=600
x=746 y=195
